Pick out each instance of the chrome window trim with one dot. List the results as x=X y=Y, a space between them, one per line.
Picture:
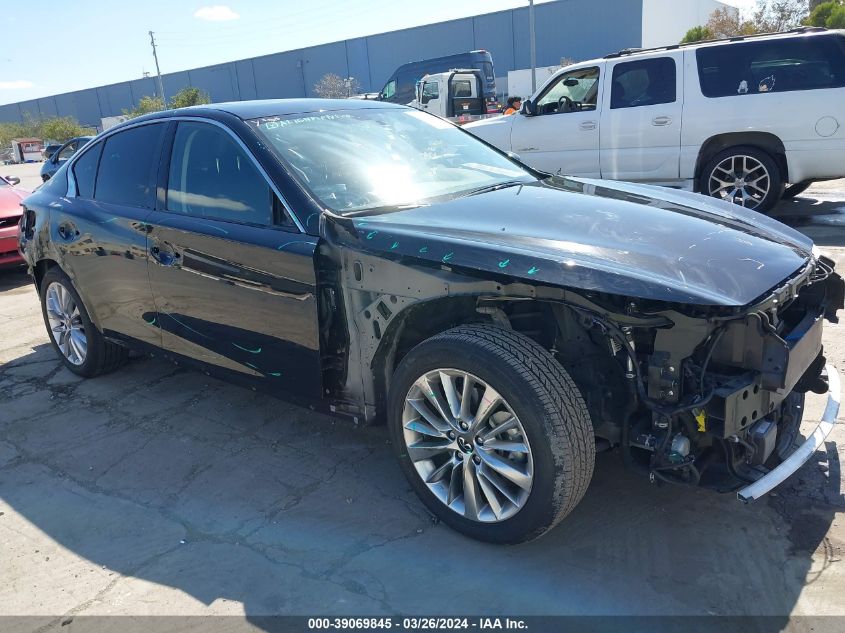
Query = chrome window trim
x=72 y=191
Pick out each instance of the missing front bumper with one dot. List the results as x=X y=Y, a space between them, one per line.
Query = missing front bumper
x=816 y=439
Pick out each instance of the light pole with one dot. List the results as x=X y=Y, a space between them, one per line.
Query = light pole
x=533 y=46
x=158 y=71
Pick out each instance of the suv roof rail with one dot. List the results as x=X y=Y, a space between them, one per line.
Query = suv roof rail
x=736 y=38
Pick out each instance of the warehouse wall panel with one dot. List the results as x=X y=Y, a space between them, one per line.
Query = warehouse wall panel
x=580 y=29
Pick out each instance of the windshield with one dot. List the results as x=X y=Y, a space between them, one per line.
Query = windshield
x=357 y=160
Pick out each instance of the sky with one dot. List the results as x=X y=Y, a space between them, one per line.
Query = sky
x=54 y=47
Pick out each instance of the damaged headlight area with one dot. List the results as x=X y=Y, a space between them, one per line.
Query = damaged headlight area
x=718 y=400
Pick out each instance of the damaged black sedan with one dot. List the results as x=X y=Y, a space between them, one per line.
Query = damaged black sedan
x=378 y=263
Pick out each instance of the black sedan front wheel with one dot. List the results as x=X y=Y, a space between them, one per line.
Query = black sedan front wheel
x=491 y=432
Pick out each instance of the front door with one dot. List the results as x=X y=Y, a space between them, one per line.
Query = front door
x=563 y=136
x=232 y=278
x=641 y=120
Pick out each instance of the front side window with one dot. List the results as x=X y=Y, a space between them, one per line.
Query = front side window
x=431 y=90
x=85 y=171
x=211 y=176
x=68 y=151
x=127 y=166
x=643 y=82
x=381 y=158
x=574 y=91
x=389 y=89
x=772 y=65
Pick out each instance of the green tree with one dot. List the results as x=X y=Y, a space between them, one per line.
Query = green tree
x=829 y=14
x=728 y=22
x=836 y=19
x=772 y=16
x=697 y=34
x=145 y=106
x=189 y=96
x=8 y=131
x=333 y=86
x=61 y=129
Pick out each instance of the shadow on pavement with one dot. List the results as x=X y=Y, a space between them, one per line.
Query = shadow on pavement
x=13 y=277
x=167 y=476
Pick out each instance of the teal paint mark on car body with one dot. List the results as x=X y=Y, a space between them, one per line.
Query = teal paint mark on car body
x=246 y=349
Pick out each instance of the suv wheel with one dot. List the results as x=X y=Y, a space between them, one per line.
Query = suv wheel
x=746 y=176
x=491 y=432
x=77 y=341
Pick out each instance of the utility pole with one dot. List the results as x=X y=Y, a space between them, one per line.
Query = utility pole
x=158 y=70
x=533 y=46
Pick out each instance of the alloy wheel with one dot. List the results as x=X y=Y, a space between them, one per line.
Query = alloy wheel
x=467 y=445
x=740 y=179
x=66 y=326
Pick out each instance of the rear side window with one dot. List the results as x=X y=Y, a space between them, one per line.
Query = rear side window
x=85 y=171
x=211 y=176
x=775 y=65
x=643 y=82
x=127 y=166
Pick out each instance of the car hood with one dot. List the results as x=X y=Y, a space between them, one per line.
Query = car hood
x=632 y=240
x=10 y=201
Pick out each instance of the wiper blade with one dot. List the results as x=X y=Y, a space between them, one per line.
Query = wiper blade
x=496 y=187
x=387 y=208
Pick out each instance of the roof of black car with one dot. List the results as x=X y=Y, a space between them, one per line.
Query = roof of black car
x=280 y=107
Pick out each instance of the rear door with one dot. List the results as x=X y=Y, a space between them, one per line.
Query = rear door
x=563 y=136
x=641 y=119
x=101 y=231
x=232 y=276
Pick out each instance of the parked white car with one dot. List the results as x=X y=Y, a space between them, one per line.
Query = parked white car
x=736 y=119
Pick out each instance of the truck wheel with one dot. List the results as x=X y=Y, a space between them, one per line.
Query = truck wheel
x=77 y=341
x=744 y=175
x=491 y=432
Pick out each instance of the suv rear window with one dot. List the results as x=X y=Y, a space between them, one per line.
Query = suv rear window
x=772 y=65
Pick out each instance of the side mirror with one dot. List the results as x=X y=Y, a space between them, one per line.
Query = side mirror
x=14 y=180
x=425 y=99
x=529 y=108
x=514 y=156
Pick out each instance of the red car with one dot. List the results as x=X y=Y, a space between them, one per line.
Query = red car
x=10 y=214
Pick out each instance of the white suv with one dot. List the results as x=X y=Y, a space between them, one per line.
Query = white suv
x=736 y=119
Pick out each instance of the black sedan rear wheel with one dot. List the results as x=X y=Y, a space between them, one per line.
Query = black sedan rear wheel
x=80 y=345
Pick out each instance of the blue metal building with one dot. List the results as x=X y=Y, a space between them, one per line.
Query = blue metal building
x=580 y=29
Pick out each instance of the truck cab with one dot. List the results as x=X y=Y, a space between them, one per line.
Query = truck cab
x=456 y=94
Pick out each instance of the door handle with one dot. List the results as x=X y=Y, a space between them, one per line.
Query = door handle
x=588 y=125
x=661 y=120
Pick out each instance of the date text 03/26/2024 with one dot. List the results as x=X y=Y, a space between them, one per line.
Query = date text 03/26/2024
x=417 y=623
